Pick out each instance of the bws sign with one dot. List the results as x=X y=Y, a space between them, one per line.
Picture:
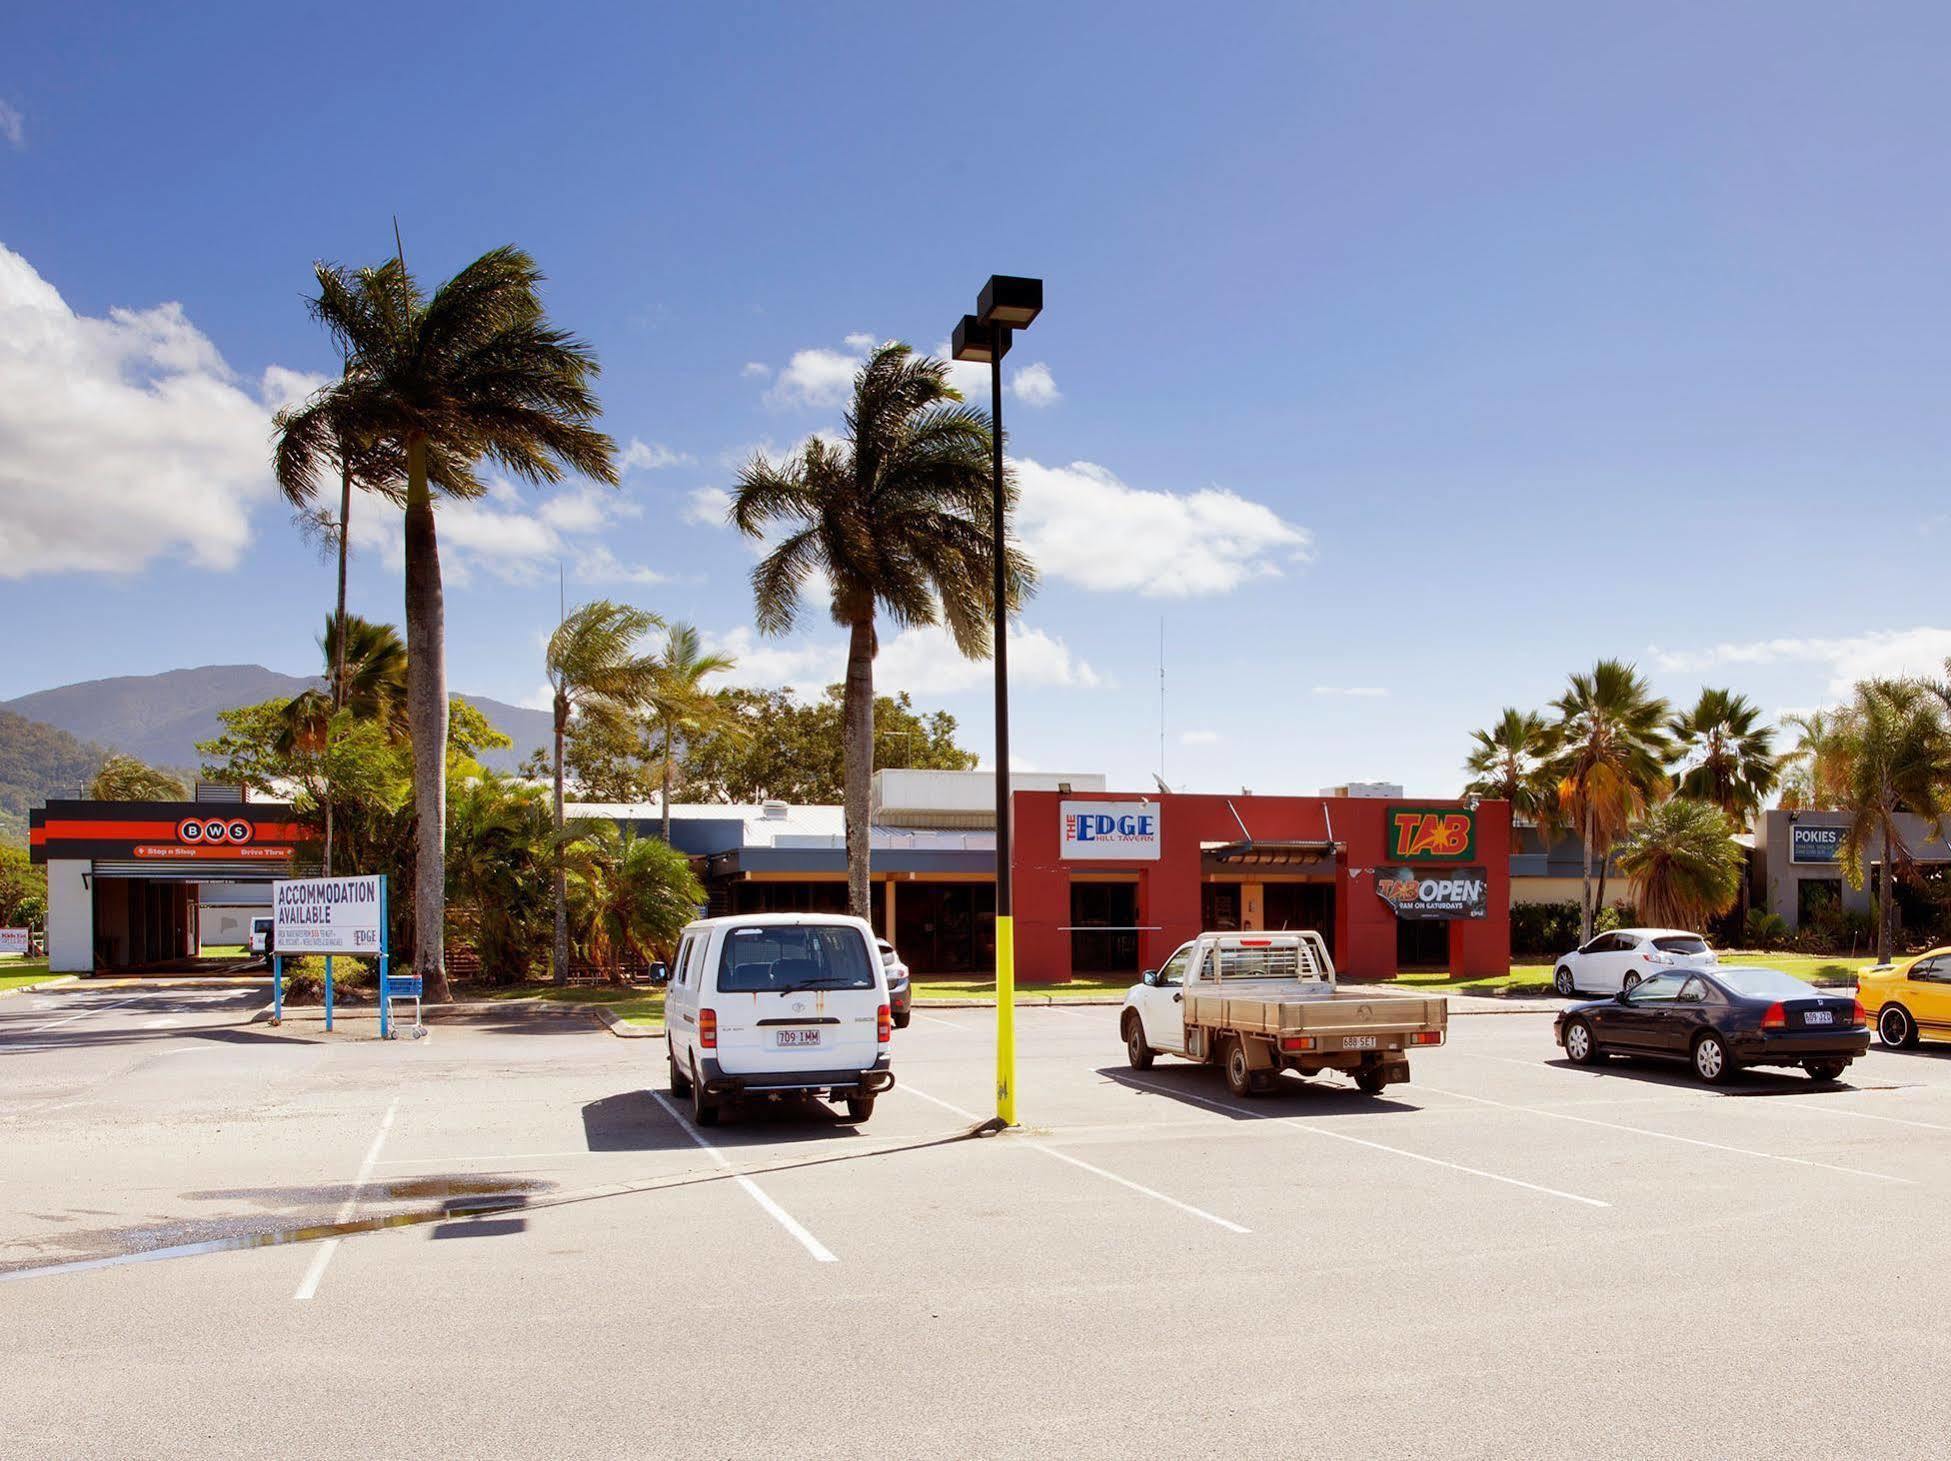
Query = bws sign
x=1814 y=844
x=1461 y=892
x=329 y=915
x=1429 y=834
x=1110 y=831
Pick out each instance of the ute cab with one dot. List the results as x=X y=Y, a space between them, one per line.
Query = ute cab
x=772 y=1005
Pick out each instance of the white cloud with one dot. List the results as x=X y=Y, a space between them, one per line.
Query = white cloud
x=755 y=370
x=583 y=509
x=1199 y=738
x=13 y=126
x=501 y=535
x=599 y=565
x=650 y=455
x=1033 y=385
x=922 y=661
x=124 y=438
x=1846 y=658
x=820 y=377
x=969 y=377
x=542 y=697
x=1083 y=525
x=1357 y=692
x=707 y=506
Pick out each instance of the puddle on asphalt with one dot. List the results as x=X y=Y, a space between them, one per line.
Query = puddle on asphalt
x=409 y=1189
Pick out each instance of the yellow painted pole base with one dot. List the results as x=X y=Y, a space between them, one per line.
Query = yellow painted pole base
x=1006 y=1021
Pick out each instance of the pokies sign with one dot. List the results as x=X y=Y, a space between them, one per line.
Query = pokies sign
x=1430 y=834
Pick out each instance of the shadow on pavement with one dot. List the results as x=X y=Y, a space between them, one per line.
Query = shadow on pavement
x=1766 y=1081
x=1202 y=1086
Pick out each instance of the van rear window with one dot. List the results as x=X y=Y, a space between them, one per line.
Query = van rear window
x=778 y=959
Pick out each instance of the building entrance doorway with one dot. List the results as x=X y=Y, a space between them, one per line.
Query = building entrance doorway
x=1291 y=907
x=946 y=928
x=142 y=922
x=1104 y=932
x=1422 y=944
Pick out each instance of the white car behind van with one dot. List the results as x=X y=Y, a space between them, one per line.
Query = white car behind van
x=767 y=1005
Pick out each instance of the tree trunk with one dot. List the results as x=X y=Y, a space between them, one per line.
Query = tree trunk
x=665 y=804
x=857 y=752
x=426 y=706
x=559 y=960
x=1599 y=898
x=1883 y=891
x=338 y=620
x=1585 y=896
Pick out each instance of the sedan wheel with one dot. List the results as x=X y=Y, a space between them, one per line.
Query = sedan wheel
x=1895 y=1028
x=1580 y=1047
x=1630 y=983
x=1564 y=982
x=1711 y=1063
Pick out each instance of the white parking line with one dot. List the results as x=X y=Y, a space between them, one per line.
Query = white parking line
x=1292 y=1123
x=81 y=1015
x=779 y=1214
x=937 y=1020
x=1740 y=1151
x=331 y=1245
x=1846 y=1113
x=1050 y=1151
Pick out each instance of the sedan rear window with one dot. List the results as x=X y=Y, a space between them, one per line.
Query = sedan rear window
x=1771 y=983
x=1687 y=943
x=777 y=959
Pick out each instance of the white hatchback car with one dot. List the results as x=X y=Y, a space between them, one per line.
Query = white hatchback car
x=1618 y=960
x=766 y=1005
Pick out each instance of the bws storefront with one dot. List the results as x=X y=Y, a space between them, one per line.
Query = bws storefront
x=122 y=877
x=1111 y=884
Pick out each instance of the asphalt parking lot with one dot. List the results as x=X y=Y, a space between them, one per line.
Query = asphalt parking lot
x=504 y=1240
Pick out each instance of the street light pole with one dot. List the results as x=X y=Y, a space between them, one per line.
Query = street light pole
x=1007 y=303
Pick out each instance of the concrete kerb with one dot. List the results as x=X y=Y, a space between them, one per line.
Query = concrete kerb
x=47 y=983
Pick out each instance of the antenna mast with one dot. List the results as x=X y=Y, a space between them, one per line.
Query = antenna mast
x=1161 y=698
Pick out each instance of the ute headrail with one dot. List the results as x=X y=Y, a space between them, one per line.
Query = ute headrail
x=1274 y=956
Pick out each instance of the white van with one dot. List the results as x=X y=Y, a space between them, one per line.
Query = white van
x=775 y=1004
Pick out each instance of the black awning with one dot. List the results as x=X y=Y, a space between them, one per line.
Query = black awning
x=1271 y=852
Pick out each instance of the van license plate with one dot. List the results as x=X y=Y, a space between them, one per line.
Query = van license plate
x=785 y=1039
x=1358 y=1042
x=1819 y=1017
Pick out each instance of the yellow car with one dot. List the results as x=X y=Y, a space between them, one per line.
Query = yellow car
x=1908 y=1000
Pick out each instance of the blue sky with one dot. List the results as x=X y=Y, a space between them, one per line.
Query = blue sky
x=1400 y=359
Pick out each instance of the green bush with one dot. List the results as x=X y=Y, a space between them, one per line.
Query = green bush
x=354 y=979
x=1765 y=930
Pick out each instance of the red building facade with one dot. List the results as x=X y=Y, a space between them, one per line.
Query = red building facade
x=1112 y=883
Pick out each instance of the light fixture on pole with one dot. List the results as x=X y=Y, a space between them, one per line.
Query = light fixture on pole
x=1007 y=303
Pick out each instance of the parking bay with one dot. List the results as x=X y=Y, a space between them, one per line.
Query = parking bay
x=1437 y=1269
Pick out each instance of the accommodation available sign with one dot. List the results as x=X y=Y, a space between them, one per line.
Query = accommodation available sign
x=1110 y=831
x=1429 y=834
x=1814 y=844
x=329 y=915
x=1451 y=892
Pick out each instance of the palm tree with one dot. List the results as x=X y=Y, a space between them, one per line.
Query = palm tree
x=1507 y=763
x=499 y=832
x=433 y=385
x=682 y=708
x=632 y=895
x=594 y=669
x=369 y=662
x=1816 y=782
x=126 y=779
x=1683 y=862
x=1895 y=757
x=1610 y=760
x=897 y=519
x=1730 y=755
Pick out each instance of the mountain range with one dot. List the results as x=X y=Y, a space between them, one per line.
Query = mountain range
x=160 y=718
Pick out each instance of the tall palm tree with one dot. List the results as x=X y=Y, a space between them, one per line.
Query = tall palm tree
x=1508 y=763
x=369 y=664
x=897 y=520
x=594 y=669
x=681 y=706
x=1729 y=754
x=434 y=384
x=1816 y=760
x=1683 y=862
x=1610 y=762
x=1895 y=754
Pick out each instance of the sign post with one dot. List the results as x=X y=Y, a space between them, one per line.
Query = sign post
x=329 y=916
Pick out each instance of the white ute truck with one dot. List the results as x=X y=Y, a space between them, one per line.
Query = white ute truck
x=1256 y=1004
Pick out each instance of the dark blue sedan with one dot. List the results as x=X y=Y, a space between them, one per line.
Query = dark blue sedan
x=1719 y=1020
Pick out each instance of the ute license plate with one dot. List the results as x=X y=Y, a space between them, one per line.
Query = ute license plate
x=794 y=1039
x=1819 y=1017
x=1357 y=1042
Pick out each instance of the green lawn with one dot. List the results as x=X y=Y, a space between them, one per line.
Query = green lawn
x=15 y=972
x=222 y=951
x=638 y=1006
x=985 y=989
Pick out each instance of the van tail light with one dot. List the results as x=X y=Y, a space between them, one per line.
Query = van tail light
x=1425 y=1037
x=708 y=1029
x=1292 y=1043
x=1862 y=1016
x=1776 y=1018
x=884 y=1024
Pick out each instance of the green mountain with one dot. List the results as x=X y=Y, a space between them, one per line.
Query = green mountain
x=36 y=762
